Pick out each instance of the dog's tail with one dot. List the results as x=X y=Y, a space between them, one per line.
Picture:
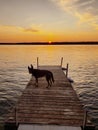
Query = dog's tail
x=52 y=77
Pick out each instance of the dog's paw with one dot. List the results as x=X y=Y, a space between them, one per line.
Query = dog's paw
x=47 y=87
x=36 y=85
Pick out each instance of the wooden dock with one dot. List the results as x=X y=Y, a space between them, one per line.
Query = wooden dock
x=57 y=105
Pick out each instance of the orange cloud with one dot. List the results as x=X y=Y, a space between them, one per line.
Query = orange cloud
x=9 y=27
x=95 y=25
x=30 y=30
x=85 y=11
x=12 y=28
x=85 y=17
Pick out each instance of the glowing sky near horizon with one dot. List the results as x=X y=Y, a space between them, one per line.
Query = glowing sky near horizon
x=48 y=20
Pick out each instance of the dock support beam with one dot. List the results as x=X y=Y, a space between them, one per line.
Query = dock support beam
x=67 y=67
x=85 y=120
x=16 y=118
x=37 y=62
x=12 y=125
x=61 y=61
x=67 y=70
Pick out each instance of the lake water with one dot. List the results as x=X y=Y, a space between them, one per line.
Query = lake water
x=83 y=69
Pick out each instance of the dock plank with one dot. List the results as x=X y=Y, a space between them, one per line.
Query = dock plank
x=58 y=104
x=46 y=127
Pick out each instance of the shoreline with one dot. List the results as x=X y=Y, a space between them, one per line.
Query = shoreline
x=53 y=43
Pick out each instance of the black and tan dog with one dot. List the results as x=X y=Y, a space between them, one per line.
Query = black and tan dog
x=37 y=73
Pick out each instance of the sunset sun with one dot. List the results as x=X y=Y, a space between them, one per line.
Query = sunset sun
x=49 y=42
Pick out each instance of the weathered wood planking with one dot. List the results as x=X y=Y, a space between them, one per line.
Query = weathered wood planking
x=55 y=105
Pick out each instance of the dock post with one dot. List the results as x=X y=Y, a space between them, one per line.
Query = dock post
x=85 y=120
x=61 y=61
x=37 y=62
x=16 y=116
x=67 y=70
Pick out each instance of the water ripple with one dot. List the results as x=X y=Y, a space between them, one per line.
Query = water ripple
x=83 y=70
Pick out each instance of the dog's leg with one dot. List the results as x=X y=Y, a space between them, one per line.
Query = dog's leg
x=48 y=84
x=50 y=81
x=47 y=81
x=36 y=82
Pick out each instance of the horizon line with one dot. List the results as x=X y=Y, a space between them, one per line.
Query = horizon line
x=52 y=43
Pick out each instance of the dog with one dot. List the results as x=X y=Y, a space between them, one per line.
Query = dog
x=37 y=73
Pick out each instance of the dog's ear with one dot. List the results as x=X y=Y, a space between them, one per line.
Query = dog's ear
x=28 y=67
x=31 y=66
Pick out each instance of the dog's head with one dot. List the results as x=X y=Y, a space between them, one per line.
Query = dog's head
x=31 y=66
x=30 y=69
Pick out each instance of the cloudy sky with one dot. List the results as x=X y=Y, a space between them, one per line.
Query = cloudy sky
x=48 y=20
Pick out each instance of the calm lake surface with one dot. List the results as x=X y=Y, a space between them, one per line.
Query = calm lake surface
x=83 y=69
